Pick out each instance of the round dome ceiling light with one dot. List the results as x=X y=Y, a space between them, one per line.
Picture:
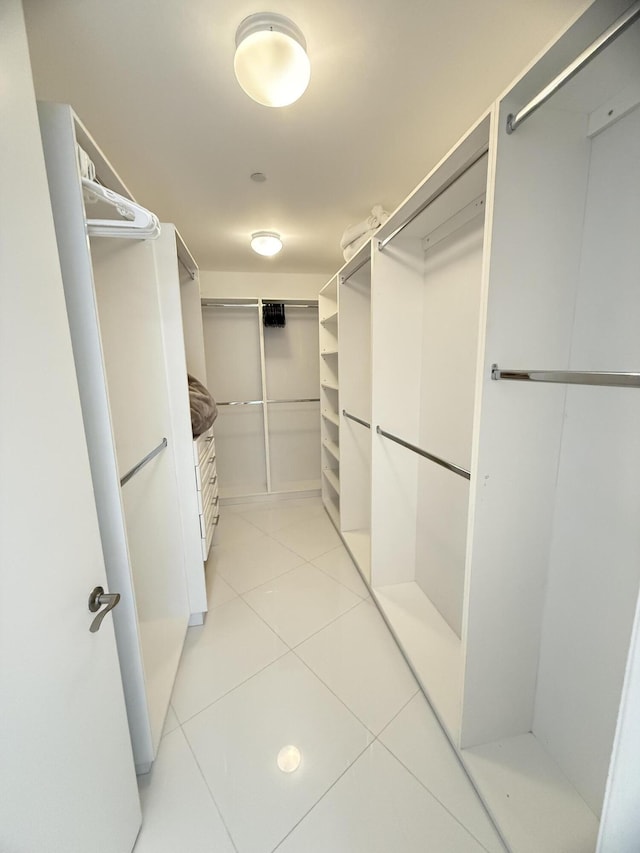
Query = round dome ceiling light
x=271 y=61
x=266 y=243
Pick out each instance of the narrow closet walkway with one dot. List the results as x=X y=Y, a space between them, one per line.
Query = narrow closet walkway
x=294 y=664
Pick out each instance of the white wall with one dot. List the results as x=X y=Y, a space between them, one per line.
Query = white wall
x=268 y=285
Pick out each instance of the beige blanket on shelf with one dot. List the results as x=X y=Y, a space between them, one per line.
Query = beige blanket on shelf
x=203 y=407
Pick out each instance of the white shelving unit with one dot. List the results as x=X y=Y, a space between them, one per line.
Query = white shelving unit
x=329 y=399
x=355 y=401
x=118 y=301
x=267 y=430
x=503 y=549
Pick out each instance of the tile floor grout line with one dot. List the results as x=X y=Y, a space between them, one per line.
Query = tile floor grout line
x=408 y=702
x=342 y=702
x=344 y=613
x=263 y=583
x=235 y=687
x=368 y=595
x=434 y=797
x=288 y=524
x=211 y=794
x=322 y=796
x=333 y=621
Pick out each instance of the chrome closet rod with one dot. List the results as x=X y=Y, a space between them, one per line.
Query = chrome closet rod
x=617 y=28
x=462 y=472
x=570 y=377
x=354 y=418
x=261 y=402
x=207 y=303
x=345 y=279
x=475 y=158
x=143 y=462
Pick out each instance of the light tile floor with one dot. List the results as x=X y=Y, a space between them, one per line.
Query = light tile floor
x=294 y=654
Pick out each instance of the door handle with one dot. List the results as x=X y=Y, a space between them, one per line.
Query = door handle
x=98 y=599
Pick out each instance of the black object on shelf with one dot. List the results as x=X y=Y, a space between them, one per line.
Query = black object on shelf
x=273 y=315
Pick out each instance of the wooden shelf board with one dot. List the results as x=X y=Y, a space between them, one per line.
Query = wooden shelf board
x=332 y=417
x=432 y=647
x=329 y=352
x=331 y=386
x=332 y=318
x=333 y=512
x=332 y=479
x=332 y=447
x=530 y=798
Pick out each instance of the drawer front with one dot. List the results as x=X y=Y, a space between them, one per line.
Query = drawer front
x=201 y=445
x=206 y=448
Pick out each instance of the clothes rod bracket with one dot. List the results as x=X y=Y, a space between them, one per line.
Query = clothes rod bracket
x=461 y=472
x=143 y=462
x=616 y=29
x=610 y=379
x=357 y=420
x=435 y=195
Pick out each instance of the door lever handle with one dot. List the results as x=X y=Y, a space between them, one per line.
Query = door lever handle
x=98 y=599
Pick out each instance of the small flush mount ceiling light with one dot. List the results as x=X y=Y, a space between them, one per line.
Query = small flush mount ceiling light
x=266 y=242
x=271 y=61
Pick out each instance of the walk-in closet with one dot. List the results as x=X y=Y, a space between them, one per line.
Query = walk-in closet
x=337 y=368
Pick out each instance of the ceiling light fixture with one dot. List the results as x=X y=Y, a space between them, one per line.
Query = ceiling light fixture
x=266 y=243
x=271 y=61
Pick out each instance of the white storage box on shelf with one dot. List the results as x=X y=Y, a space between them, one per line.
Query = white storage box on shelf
x=504 y=547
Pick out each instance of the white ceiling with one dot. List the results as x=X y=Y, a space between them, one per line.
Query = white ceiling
x=393 y=85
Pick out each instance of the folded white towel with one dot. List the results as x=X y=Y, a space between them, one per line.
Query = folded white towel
x=350 y=250
x=378 y=217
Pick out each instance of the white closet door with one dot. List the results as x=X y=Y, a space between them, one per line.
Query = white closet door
x=67 y=781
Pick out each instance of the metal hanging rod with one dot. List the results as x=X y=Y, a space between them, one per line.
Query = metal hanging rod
x=357 y=420
x=462 y=472
x=617 y=28
x=261 y=402
x=475 y=158
x=208 y=303
x=345 y=279
x=300 y=400
x=570 y=377
x=143 y=462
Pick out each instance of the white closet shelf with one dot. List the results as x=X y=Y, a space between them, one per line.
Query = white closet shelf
x=333 y=448
x=331 y=416
x=329 y=352
x=530 y=798
x=430 y=644
x=332 y=386
x=332 y=478
x=359 y=544
x=334 y=512
x=332 y=318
